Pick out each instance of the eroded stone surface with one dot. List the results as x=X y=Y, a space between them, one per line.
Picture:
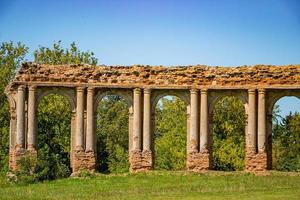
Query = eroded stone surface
x=198 y=161
x=256 y=161
x=199 y=75
x=83 y=161
x=140 y=160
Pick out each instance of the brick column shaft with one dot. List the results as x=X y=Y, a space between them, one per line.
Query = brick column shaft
x=137 y=119
x=90 y=135
x=204 y=122
x=252 y=119
x=194 y=123
x=147 y=120
x=79 y=118
x=20 y=139
x=31 y=118
x=261 y=120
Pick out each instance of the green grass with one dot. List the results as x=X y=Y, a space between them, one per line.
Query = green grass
x=161 y=185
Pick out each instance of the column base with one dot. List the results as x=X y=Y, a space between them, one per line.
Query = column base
x=198 y=161
x=140 y=160
x=17 y=153
x=256 y=162
x=83 y=160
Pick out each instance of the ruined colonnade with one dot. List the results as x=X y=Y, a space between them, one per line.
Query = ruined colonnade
x=200 y=87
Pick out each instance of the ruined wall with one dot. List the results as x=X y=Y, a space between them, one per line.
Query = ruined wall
x=142 y=87
x=184 y=76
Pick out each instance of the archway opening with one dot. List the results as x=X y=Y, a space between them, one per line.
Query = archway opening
x=112 y=135
x=170 y=134
x=286 y=134
x=53 y=137
x=228 y=128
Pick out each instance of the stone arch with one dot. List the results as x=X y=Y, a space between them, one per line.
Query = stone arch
x=69 y=93
x=11 y=97
x=274 y=96
x=126 y=94
x=12 y=102
x=156 y=95
x=214 y=97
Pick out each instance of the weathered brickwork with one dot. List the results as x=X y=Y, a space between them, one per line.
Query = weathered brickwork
x=140 y=161
x=83 y=160
x=256 y=161
x=259 y=87
x=198 y=161
x=161 y=76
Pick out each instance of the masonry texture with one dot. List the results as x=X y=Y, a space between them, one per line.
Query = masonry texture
x=161 y=76
x=200 y=87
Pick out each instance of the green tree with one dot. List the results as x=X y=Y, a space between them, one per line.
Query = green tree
x=286 y=143
x=11 y=57
x=170 y=134
x=229 y=134
x=54 y=119
x=57 y=55
x=54 y=115
x=112 y=135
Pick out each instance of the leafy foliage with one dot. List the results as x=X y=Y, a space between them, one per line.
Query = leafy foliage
x=286 y=143
x=58 y=55
x=170 y=134
x=229 y=134
x=26 y=173
x=54 y=115
x=54 y=119
x=112 y=135
x=11 y=56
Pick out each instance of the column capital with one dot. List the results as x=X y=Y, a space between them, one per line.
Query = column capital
x=204 y=91
x=21 y=88
x=251 y=91
x=137 y=90
x=194 y=91
x=32 y=87
x=262 y=91
x=91 y=89
x=147 y=90
x=80 y=89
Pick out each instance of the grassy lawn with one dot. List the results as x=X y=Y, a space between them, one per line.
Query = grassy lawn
x=162 y=185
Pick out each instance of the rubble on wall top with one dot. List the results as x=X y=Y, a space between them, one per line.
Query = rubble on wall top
x=197 y=75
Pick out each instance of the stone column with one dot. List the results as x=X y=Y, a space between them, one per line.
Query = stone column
x=200 y=161
x=89 y=156
x=194 y=123
x=147 y=137
x=137 y=119
x=20 y=140
x=252 y=119
x=90 y=135
x=135 y=156
x=147 y=120
x=261 y=120
x=204 y=122
x=79 y=118
x=31 y=119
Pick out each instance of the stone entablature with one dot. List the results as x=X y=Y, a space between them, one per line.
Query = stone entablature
x=161 y=77
x=200 y=87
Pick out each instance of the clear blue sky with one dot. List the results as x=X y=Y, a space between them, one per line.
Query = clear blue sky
x=162 y=32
